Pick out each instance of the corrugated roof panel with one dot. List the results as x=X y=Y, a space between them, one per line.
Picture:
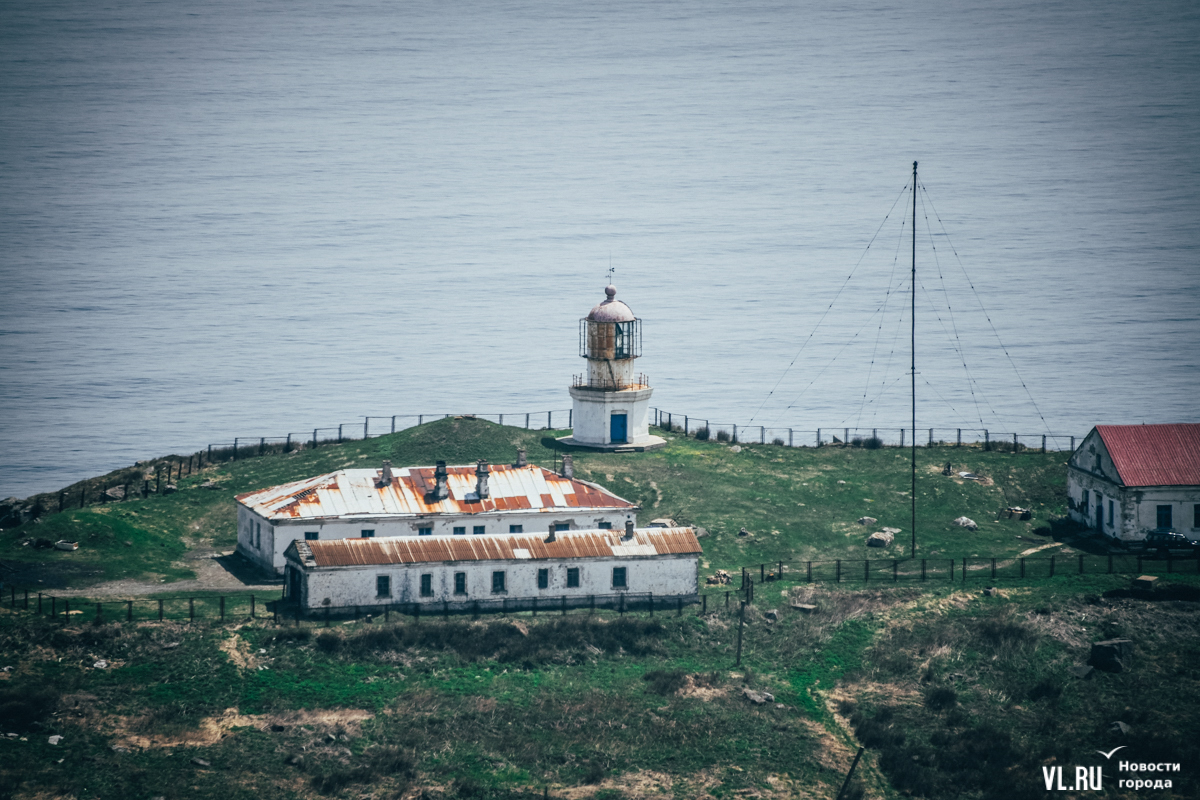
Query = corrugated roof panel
x=427 y=549
x=353 y=492
x=1154 y=455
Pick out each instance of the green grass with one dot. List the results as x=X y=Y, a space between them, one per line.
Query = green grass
x=798 y=503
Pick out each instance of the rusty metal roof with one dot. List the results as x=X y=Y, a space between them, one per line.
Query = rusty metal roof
x=646 y=542
x=610 y=309
x=1154 y=455
x=356 y=493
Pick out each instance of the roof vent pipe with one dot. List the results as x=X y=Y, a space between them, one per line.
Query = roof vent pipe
x=440 y=488
x=568 y=467
x=522 y=461
x=385 y=475
x=481 y=479
x=551 y=537
x=628 y=529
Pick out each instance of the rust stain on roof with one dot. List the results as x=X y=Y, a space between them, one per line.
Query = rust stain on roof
x=646 y=542
x=355 y=492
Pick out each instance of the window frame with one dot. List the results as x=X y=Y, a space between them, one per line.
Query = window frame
x=460 y=584
x=543 y=578
x=499 y=582
x=383 y=582
x=426 y=589
x=424 y=530
x=516 y=528
x=604 y=526
x=562 y=527
x=460 y=530
x=1161 y=511
x=572 y=577
x=624 y=575
x=312 y=536
x=478 y=530
x=367 y=534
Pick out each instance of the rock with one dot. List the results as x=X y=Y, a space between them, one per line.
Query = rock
x=719 y=578
x=210 y=484
x=1145 y=583
x=989 y=591
x=806 y=607
x=880 y=539
x=892 y=531
x=170 y=488
x=743 y=532
x=294 y=760
x=101 y=664
x=200 y=762
x=330 y=738
x=737 y=448
x=55 y=739
x=1082 y=671
x=1120 y=727
x=115 y=493
x=116 y=748
x=780 y=706
x=841 y=483
x=1112 y=655
x=772 y=615
x=966 y=522
x=701 y=532
x=757 y=698
x=867 y=520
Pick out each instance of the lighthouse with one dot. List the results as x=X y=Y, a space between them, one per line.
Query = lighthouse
x=611 y=401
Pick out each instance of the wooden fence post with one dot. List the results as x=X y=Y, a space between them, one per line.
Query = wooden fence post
x=222 y=608
x=160 y=610
x=191 y=609
x=839 y=571
x=809 y=572
x=99 y=616
x=866 y=570
x=741 y=624
x=703 y=605
x=964 y=570
x=251 y=606
x=895 y=570
x=993 y=569
x=129 y=611
x=1022 y=566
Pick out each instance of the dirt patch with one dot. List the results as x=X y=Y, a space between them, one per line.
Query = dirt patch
x=706 y=693
x=238 y=651
x=212 y=729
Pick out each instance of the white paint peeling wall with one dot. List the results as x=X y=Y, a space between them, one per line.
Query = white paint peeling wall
x=275 y=539
x=592 y=412
x=665 y=576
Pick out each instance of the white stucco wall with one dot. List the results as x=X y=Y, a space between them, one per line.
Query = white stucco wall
x=665 y=576
x=593 y=409
x=270 y=556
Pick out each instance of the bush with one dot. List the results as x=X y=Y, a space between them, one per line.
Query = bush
x=857 y=441
x=873 y=443
x=23 y=707
x=777 y=441
x=329 y=642
x=941 y=698
x=722 y=436
x=702 y=434
x=665 y=682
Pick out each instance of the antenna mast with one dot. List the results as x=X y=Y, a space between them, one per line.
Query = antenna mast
x=912 y=553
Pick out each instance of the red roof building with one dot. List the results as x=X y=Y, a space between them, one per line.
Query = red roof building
x=1128 y=480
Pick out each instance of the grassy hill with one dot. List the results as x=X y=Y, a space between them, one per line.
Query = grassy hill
x=954 y=693
x=797 y=503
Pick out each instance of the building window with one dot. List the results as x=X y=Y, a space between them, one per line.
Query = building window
x=1084 y=504
x=543 y=579
x=1110 y=513
x=427 y=585
x=1164 y=516
x=562 y=526
x=383 y=586
x=606 y=526
x=573 y=577
x=425 y=531
x=258 y=535
x=498 y=582
x=479 y=529
x=516 y=528
x=460 y=530
x=460 y=583
x=311 y=536
x=1196 y=516
x=619 y=578
x=368 y=534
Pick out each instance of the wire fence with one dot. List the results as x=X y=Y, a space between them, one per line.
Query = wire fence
x=870 y=438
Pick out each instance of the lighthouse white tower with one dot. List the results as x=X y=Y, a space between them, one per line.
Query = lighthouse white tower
x=611 y=402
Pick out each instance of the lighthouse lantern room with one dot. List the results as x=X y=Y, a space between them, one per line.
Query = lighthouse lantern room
x=611 y=402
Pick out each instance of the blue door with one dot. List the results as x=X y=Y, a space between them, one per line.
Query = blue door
x=617 y=430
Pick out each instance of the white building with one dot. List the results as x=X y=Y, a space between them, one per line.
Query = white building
x=611 y=404
x=506 y=571
x=1127 y=480
x=463 y=501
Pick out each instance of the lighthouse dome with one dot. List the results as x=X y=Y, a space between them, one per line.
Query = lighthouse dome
x=611 y=310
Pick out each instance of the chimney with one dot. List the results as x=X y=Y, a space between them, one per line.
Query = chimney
x=481 y=479
x=568 y=467
x=440 y=489
x=385 y=475
x=522 y=461
x=551 y=537
x=628 y=529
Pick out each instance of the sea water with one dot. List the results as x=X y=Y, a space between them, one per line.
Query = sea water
x=225 y=219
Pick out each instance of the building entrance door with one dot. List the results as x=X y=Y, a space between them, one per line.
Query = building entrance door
x=618 y=431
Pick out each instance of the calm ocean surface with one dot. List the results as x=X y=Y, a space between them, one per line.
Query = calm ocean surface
x=241 y=219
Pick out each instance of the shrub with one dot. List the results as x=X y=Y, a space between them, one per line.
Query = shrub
x=873 y=443
x=941 y=698
x=777 y=441
x=702 y=434
x=722 y=436
x=1045 y=689
x=857 y=441
x=665 y=682
x=329 y=642
x=23 y=707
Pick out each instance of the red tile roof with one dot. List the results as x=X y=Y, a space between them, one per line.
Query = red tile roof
x=1154 y=455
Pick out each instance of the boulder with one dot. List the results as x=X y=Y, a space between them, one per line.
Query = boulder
x=1082 y=671
x=1112 y=655
x=115 y=493
x=867 y=520
x=880 y=538
x=966 y=522
x=170 y=488
x=757 y=698
x=772 y=615
x=743 y=532
x=1119 y=727
x=805 y=607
